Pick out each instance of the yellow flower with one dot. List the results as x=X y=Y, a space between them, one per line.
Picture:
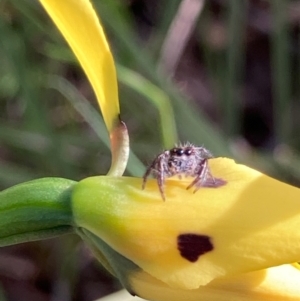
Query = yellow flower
x=276 y=284
x=191 y=240
x=217 y=244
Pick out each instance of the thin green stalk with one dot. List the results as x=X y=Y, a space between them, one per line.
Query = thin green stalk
x=157 y=97
x=231 y=106
x=92 y=116
x=281 y=71
x=167 y=11
x=12 y=45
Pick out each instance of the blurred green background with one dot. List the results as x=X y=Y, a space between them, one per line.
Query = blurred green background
x=223 y=74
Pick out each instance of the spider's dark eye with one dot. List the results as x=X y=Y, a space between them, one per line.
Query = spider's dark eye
x=177 y=151
x=188 y=151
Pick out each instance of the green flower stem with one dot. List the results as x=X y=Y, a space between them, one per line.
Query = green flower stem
x=36 y=210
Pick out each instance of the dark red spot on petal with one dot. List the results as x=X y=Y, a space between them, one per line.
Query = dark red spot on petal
x=191 y=246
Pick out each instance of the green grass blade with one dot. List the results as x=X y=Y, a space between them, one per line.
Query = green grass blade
x=157 y=97
x=281 y=71
x=91 y=115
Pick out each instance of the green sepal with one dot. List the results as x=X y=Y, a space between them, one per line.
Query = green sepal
x=114 y=262
x=36 y=210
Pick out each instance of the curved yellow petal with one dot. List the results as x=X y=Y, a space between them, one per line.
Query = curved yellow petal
x=250 y=223
x=276 y=284
x=79 y=24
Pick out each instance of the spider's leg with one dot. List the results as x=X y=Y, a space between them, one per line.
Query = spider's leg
x=161 y=179
x=147 y=173
x=161 y=182
x=201 y=175
x=211 y=176
x=202 y=178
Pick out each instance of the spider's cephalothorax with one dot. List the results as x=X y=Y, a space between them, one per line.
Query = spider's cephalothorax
x=187 y=160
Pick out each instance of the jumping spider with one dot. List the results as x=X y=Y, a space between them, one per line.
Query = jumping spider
x=186 y=159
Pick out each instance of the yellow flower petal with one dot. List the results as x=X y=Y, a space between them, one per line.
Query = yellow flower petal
x=276 y=284
x=249 y=224
x=78 y=22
